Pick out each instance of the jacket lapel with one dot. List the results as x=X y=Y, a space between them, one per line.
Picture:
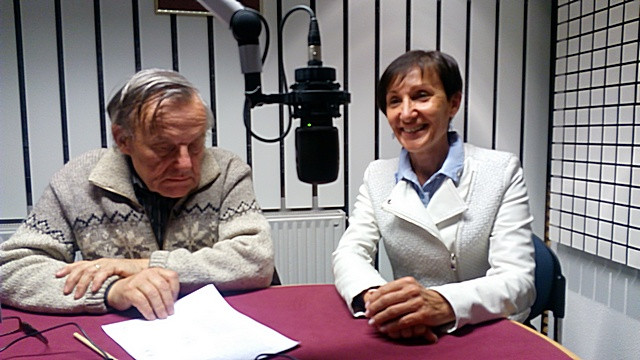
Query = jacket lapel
x=404 y=203
x=446 y=204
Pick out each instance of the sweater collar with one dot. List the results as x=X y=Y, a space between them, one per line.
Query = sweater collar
x=112 y=173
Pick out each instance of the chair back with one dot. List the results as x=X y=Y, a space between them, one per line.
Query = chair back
x=550 y=284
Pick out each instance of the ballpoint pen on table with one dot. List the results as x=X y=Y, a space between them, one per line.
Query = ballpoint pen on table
x=85 y=341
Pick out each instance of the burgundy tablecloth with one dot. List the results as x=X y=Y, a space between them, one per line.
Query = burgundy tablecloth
x=318 y=318
x=315 y=316
x=62 y=344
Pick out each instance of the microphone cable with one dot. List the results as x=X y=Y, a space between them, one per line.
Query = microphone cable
x=34 y=332
x=283 y=80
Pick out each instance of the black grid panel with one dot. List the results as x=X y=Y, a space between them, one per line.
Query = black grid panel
x=594 y=201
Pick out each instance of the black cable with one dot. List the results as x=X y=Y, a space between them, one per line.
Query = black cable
x=246 y=113
x=267 y=36
x=247 y=124
x=99 y=349
x=312 y=16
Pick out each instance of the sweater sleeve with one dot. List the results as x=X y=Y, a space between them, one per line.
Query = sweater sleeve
x=42 y=245
x=243 y=256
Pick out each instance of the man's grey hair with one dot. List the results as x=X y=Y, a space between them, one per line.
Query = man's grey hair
x=126 y=107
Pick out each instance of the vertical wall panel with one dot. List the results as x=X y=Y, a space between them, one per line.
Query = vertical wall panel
x=536 y=109
x=193 y=55
x=193 y=52
x=329 y=14
x=229 y=83
x=481 y=60
x=266 y=122
x=43 y=101
x=393 y=29
x=81 y=76
x=118 y=51
x=155 y=37
x=453 y=42
x=13 y=200
x=266 y=156
x=509 y=85
x=424 y=24
x=362 y=108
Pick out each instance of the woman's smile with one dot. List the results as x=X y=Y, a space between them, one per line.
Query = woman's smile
x=414 y=128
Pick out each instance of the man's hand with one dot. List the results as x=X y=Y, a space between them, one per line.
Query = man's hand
x=152 y=291
x=81 y=274
x=403 y=309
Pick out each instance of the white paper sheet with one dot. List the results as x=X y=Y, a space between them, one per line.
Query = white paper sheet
x=203 y=326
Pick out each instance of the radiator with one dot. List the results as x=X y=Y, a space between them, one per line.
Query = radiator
x=6 y=230
x=303 y=244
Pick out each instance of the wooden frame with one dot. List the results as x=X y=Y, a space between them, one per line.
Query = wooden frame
x=192 y=7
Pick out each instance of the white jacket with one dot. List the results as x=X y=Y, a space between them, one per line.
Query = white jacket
x=472 y=243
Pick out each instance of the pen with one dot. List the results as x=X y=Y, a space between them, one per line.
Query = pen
x=92 y=347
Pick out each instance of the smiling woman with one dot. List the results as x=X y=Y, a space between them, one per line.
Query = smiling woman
x=419 y=112
x=420 y=92
x=454 y=218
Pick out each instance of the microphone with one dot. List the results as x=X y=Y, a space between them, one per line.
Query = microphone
x=317 y=101
x=317 y=145
x=317 y=149
x=315 y=96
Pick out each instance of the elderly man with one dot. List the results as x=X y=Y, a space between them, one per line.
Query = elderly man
x=157 y=215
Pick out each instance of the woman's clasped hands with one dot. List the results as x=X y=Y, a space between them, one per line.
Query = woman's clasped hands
x=405 y=309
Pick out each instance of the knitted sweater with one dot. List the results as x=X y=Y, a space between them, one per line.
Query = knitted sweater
x=216 y=234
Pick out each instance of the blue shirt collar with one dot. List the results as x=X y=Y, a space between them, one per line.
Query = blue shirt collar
x=451 y=168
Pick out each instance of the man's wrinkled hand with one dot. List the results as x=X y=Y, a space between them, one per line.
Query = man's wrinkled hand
x=152 y=291
x=82 y=274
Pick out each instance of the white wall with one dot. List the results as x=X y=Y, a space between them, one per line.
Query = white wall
x=52 y=90
x=602 y=319
x=596 y=64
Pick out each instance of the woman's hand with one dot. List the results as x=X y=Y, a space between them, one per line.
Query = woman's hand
x=404 y=309
x=81 y=274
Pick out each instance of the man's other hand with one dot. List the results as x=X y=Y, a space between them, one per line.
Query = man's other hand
x=152 y=291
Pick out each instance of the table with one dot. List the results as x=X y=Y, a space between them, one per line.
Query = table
x=314 y=315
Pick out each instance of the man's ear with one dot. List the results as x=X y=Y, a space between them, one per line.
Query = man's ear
x=122 y=139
